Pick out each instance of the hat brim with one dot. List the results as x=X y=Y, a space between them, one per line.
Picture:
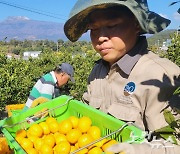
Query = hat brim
x=150 y=22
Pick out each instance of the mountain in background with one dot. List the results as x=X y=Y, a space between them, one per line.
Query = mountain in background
x=21 y=28
x=159 y=38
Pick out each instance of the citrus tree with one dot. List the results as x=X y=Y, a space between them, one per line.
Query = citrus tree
x=173 y=53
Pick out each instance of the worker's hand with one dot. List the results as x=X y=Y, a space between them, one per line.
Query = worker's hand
x=41 y=113
x=121 y=148
x=38 y=101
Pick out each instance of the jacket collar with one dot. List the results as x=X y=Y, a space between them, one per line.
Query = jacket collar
x=54 y=77
x=127 y=62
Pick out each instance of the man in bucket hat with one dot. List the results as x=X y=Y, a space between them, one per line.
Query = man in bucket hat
x=48 y=85
x=129 y=82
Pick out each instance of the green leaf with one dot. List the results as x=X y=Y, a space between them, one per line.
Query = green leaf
x=168 y=116
x=166 y=129
x=169 y=137
x=174 y=124
x=177 y=91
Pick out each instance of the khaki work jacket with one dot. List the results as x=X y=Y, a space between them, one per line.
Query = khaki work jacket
x=140 y=96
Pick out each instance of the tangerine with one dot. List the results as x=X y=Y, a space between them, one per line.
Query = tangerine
x=65 y=126
x=33 y=138
x=84 y=140
x=101 y=143
x=74 y=120
x=62 y=147
x=73 y=148
x=95 y=150
x=21 y=133
x=73 y=135
x=46 y=149
x=84 y=151
x=38 y=143
x=26 y=143
x=95 y=132
x=19 y=139
x=35 y=130
x=108 y=144
x=32 y=151
x=60 y=137
x=84 y=124
x=54 y=126
x=49 y=140
x=45 y=128
x=50 y=119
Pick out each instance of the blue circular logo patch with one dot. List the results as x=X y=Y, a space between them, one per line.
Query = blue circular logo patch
x=129 y=88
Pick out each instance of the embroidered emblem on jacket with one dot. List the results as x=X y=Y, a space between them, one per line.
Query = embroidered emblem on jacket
x=129 y=88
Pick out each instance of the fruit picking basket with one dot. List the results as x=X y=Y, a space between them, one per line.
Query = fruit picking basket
x=61 y=108
x=14 y=109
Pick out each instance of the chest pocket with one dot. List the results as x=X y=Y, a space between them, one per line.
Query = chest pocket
x=126 y=112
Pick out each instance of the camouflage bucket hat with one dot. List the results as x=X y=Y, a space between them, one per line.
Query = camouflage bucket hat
x=77 y=24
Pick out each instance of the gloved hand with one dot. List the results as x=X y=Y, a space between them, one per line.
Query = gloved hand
x=38 y=101
x=122 y=148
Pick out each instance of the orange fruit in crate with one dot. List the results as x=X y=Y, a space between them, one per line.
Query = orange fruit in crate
x=46 y=149
x=49 y=140
x=76 y=145
x=56 y=134
x=54 y=126
x=4 y=148
x=59 y=137
x=84 y=124
x=108 y=144
x=73 y=135
x=26 y=143
x=21 y=133
x=35 y=130
x=83 y=151
x=38 y=143
x=62 y=147
x=101 y=143
x=33 y=138
x=45 y=128
x=19 y=139
x=95 y=132
x=84 y=140
x=28 y=133
x=73 y=148
x=50 y=119
x=74 y=120
x=65 y=126
x=95 y=150
x=32 y=151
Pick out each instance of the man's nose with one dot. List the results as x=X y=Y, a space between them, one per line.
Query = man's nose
x=103 y=34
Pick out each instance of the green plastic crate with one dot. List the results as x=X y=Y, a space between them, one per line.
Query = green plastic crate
x=105 y=122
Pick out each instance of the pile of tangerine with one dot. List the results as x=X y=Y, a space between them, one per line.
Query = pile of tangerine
x=65 y=137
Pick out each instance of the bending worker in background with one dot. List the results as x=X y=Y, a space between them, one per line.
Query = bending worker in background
x=129 y=82
x=47 y=87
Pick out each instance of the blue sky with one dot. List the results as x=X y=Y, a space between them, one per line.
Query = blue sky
x=61 y=9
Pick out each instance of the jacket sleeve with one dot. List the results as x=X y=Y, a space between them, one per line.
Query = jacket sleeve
x=154 y=147
x=157 y=147
x=160 y=97
x=85 y=97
